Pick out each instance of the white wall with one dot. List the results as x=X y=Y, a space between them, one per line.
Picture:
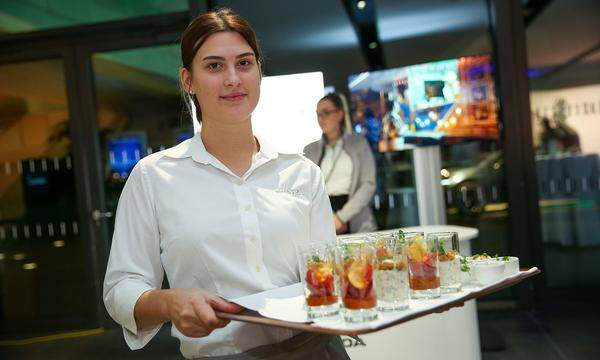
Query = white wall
x=286 y=114
x=583 y=112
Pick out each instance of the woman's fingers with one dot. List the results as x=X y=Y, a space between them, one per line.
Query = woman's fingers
x=191 y=329
x=207 y=316
x=194 y=313
x=223 y=305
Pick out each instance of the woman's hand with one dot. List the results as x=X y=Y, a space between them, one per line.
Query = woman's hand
x=340 y=227
x=192 y=311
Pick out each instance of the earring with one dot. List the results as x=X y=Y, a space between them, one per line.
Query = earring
x=191 y=93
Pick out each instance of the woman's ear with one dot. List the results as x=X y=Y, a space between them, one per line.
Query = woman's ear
x=185 y=77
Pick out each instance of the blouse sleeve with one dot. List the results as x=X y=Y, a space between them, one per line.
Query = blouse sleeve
x=134 y=264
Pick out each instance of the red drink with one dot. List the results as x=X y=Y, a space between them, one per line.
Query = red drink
x=320 y=284
x=357 y=285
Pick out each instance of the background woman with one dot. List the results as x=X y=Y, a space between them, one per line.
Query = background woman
x=347 y=165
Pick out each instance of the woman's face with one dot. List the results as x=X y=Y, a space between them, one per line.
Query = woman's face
x=225 y=78
x=329 y=116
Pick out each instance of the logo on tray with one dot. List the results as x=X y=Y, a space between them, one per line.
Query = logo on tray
x=352 y=341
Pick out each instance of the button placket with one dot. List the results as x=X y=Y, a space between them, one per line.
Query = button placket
x=251 y=234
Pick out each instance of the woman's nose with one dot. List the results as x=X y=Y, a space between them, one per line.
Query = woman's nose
x=232 y=78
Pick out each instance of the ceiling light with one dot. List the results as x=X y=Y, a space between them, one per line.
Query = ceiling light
x=361 y=4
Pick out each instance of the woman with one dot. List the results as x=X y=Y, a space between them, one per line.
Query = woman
x=348 y=167
x=220 y=214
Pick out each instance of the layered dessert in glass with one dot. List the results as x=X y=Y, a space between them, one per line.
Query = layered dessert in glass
x=449 y=261
x=391 y=271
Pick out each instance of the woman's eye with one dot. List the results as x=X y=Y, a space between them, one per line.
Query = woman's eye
x=245 y=62
x=213 y=66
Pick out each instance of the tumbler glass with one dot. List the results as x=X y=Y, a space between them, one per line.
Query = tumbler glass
x=355 y=262
x=317 y=268
x=449 y=261
x=424 y=276
x=391 y=271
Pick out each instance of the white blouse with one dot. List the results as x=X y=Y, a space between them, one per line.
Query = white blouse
x=337 y=169
x=183 y=213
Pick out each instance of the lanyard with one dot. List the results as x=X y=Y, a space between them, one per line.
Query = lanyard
x=336 y=156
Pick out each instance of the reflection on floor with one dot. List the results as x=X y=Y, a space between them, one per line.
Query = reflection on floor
x=558 y=332
x=107 y=345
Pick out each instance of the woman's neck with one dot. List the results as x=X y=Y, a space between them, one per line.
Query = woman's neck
x=232 y=144
x=333 y=137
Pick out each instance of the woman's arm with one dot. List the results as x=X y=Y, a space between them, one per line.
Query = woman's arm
x=134 y=266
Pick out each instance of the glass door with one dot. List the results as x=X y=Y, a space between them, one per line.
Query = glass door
x=44 y=276
x=139 y=111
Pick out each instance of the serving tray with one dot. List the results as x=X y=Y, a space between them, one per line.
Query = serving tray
x=289 y=307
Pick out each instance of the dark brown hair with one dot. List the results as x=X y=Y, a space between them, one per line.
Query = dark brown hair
x=203 y=26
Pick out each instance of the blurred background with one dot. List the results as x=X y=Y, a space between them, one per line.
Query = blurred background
x=89 y=87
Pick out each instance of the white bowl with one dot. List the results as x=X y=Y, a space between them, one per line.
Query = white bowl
x=511 y=265
x=487 y=272
x=466 y=277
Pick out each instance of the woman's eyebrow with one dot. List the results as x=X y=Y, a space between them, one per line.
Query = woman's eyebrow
x=213 y=57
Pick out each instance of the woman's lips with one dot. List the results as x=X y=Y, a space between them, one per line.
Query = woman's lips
x=233 y=97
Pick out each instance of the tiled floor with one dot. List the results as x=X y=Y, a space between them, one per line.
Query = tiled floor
x=558 y=332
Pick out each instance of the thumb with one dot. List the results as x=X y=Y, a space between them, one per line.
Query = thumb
x=220 y=304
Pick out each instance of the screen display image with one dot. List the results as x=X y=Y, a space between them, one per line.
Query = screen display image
x=442 y=100
x=124 y=152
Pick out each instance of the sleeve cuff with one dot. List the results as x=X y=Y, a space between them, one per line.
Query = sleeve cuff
x=340 y=215
x=134 y=338
x=139 y=340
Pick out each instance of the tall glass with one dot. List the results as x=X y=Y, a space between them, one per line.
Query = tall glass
x=317 y=268
x=449 y=261
x=424 y=275
x=355 y=262
x=391 y=272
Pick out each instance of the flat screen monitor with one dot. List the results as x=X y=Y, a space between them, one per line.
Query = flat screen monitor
x=426 y=103
x=124 y=151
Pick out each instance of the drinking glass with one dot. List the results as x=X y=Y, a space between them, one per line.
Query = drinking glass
x=355 y=261
x=423 y=270
x=317 y=268
x=391 y=271
x=449 y=261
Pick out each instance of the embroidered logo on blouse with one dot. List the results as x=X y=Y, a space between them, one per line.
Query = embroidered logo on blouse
x=294 y=192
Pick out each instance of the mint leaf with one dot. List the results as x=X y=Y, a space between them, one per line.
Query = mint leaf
x=441 y=249
x=401 y=236
x=464 y=265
